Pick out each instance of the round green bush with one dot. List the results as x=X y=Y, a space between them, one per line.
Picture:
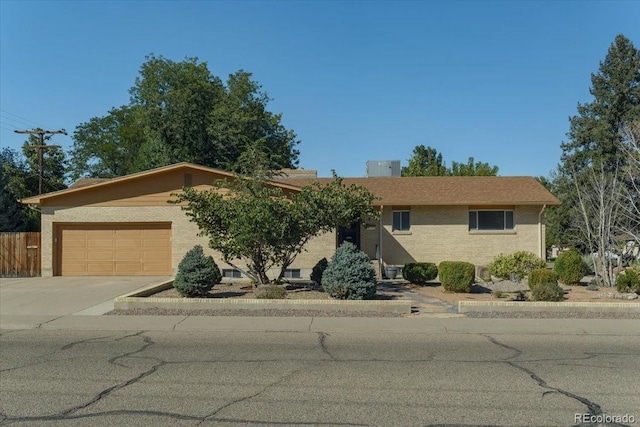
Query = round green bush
x=570 y=267
x=273 y=292
x=457 y=276
x=419 y=273
x=519 y=263
x=197 y=274
x=349 y=275
x=629 y=281
x=318 y=270
x=540 y=276
x=547 y=292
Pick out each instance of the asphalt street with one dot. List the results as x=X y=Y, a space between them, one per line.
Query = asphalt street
x=305 y=378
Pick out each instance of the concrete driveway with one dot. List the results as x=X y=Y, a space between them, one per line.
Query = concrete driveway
x=50 y=297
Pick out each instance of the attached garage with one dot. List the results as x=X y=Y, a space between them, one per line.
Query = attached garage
x=113 y=249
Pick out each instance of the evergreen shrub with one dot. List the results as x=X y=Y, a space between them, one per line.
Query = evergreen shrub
x=419 y=273
x=518 y=264
x=570 y=267
x=547 y=292
x=629 y=281
x=349 y=275
x=540 y=276
x=273 y=292
x=318 y=270
x=457 y=276
x=197 y=274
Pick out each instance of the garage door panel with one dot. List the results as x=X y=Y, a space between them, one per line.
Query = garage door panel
x=101 y=256
x=129 y=269
x=115 y=249
x=97 y=268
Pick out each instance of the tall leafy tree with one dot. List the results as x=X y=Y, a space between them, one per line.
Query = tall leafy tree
x=13 y=186
x=427 y=161
x=54 y=167
x=473 y=168
x=108 y=146
x=180 y=111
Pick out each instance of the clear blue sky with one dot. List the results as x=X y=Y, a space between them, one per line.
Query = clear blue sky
x=356 y=80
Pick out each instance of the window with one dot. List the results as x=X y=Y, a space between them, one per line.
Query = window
x=491 y=220
x=231 y=273
x=401 y=221
x=292 y=273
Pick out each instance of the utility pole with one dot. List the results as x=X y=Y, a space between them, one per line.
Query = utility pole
x=41 y=147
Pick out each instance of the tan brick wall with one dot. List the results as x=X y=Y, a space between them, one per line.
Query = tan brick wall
x=441 y=234
x=437 y=234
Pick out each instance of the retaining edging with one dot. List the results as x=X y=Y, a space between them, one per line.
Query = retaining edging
x=140 y=300
x=567 y=307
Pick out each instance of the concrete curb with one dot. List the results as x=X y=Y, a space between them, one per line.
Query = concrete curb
x=139 y=299
x=566 y=307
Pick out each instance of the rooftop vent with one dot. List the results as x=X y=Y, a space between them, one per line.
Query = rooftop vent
x=383 y=168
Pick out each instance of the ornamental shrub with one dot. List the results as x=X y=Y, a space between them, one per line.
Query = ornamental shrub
x=273 y=292
x=197 y=274
x=570 y=267
x=318 y=270
x=547 y=292
x=519 y=263
x=542 y=275
x=419 y=272
x=457 y=276
x=349 y=275
x=629 y=281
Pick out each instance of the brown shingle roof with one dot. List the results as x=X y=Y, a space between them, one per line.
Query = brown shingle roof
x=449 y=190
x=85 y=182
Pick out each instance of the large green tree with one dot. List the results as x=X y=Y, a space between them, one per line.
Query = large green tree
x=54 y=167
x=595 y=132
x=595 y=142
x=427 y=161
x=473 y=168
x=267 y=227
x=180 y=111
x=13 y=216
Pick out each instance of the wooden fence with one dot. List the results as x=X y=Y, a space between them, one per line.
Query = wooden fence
x=20 y=254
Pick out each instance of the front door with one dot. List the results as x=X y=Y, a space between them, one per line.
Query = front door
x=350 y=234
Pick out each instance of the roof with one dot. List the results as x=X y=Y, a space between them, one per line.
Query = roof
x=90 y=184
x=448 y=190
x=399 y=191
x=85 y=182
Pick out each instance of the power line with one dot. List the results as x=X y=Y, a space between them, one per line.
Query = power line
x=24 y=120
x=41 y=147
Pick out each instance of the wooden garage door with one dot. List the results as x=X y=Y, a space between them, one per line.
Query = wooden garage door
x=114 y=249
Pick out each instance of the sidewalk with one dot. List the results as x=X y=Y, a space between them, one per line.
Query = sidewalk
x=421 y=325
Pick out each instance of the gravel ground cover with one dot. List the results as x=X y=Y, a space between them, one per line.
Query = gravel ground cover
x=553 y=315
x=253 y=313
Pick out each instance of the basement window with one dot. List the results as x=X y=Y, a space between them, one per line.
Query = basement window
x=292 y=273
x=231 y=273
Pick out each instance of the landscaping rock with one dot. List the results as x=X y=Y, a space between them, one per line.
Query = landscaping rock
x=613 y=295
x=483 y=273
